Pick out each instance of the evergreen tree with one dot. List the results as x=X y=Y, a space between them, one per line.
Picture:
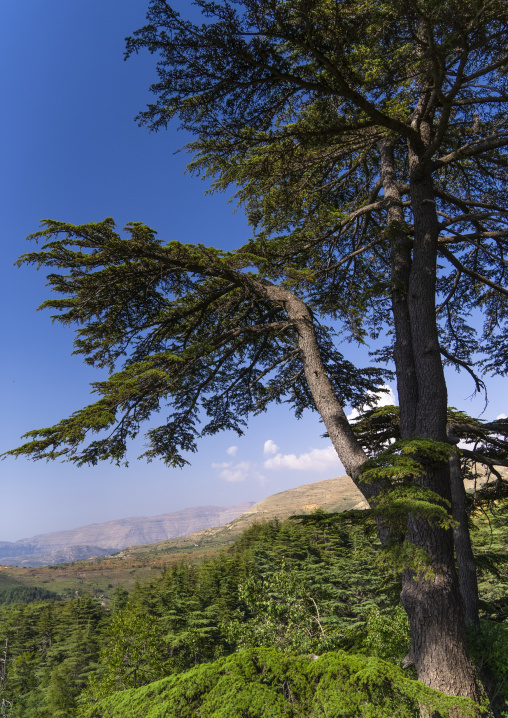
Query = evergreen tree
x=367 y=142
x=481 y=443
x=54 y=647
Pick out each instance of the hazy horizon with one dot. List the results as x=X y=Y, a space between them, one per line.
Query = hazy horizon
x=74 y=152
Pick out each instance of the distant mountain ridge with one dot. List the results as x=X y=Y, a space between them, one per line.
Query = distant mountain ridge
x=200 y=526
x=99 y=575
x=330 y=495
x=111 y=536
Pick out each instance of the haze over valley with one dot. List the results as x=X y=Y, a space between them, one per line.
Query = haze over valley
x=190 y=526
x=103 y=539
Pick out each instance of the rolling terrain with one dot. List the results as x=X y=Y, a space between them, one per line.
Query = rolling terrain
x=100 y=575
x=112 y=536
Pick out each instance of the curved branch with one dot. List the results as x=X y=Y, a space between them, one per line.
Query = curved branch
x=485 y=280
x=481 y=459
x=472 y=149
x=479 y=383
x=350 y=256
x=452 y=291
x=465 y=203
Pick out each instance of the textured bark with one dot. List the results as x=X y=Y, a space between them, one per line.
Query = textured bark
x=401 y=251
x=434 y=608
x=433 y=605
x=334 y=418
x=468 y=580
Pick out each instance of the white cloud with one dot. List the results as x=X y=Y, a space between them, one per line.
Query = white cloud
x=319 y=460
x=238 y=472
x=379 y=399
x=501 y=416
x=270 y=447
x=232 y=450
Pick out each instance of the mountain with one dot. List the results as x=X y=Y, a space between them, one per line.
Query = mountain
x=100 y=575
x=331 y=495
x=113 y=536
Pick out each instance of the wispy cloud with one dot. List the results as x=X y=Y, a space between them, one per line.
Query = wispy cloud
x=382 y=398
x=270 y=447
x=502 y=416
x=232 y=450
x=315 y=460
x=243 y=470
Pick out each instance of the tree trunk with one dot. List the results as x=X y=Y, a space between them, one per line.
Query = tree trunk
x=436 y=619
x=327 y=404
x=434 y=608
x=468 y=580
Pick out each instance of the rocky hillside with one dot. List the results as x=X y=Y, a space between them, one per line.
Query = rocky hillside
x=332 y=495
x=113 y=536
x=100 y=575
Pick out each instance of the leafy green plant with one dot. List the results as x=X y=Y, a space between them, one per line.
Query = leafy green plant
x=283 y=615
x=387 y=634
x=265 y=683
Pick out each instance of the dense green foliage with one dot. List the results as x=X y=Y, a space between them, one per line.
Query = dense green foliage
x=296 y=587
x=204 y=333
x=483 y=446
x=27 y=594
x=51 y=649
x=490 y=540
x=262 y=683
x=241 y=629
x=367 y=142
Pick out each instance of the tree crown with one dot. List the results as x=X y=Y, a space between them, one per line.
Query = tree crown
x=290 y=104
x=189 y=327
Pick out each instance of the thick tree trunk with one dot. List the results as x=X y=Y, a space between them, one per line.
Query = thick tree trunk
x=436 y=619
x=434 y=608
x=401 y=259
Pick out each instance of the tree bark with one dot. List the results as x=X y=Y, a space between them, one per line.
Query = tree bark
x=433 y=605
x=327 y=404
x=468 y=580
x=401 y=258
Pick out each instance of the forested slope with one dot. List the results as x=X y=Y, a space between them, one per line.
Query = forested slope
x=99 y=576
x=242 y=629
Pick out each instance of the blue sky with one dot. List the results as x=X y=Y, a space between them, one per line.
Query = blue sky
x=72 y=151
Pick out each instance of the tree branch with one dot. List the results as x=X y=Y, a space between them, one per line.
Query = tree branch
x=479 y=383
x=472 y=149
x=453 y=259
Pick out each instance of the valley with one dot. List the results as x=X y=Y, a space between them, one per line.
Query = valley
x=100 y=575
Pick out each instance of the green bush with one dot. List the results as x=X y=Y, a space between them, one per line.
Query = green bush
x=387 y=634
x=488 y=647
x=264 y=683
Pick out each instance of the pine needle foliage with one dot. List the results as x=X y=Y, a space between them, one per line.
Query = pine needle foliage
x=483 y=450
x=262 y=683
x=289 y=104
x=184 y=329
x=284 y=590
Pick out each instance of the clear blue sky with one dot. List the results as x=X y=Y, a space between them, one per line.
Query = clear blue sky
x=72 y=151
